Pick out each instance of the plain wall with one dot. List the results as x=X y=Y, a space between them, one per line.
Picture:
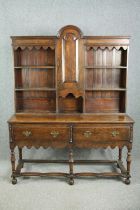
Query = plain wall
x=44 y=17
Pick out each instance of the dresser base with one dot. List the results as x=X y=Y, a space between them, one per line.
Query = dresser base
x=81 y=131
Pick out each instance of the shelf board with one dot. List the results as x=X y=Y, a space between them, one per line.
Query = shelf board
x=35 y=89
x=34 y=67
x=105 y=89
x=106 y=67
x=34 y=98
x=35 y=111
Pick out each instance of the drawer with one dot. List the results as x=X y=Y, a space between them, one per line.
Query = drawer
x=101 y=134
x=41 y=135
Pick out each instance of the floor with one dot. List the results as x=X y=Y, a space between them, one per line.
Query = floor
x=55 y=194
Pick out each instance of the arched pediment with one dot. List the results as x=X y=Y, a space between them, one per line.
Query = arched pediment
x=70 y=29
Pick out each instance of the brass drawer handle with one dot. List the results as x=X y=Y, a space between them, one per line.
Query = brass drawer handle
x=27 y=133
x=87 y=134
x=115 y=133
x=54 y=134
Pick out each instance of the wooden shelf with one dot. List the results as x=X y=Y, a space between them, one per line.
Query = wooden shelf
x=106 y=67
x=34 y=67
x=21 y=111
x=105 y=89
x=33 y=98
x=35 y=89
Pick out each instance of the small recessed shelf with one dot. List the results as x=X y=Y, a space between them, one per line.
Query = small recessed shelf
x=105 y=89
x=22 y=111
x=35 y=89
x=34 y=67
x=106 y=67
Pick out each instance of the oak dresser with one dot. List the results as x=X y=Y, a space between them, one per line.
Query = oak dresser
x=70 y=92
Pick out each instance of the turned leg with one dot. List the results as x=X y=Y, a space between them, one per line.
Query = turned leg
x=71 y=180
x=20 y=155
x=14 y=180
x=119 y=156
x=127 y=180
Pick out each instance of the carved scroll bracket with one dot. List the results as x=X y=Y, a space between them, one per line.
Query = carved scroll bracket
x=74 y=92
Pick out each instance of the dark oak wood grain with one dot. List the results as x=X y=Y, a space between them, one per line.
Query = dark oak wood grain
x=71 y=118
x=70 y=92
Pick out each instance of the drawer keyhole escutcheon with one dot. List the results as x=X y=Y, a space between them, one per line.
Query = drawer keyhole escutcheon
x=54 y=134
x=27 y=133
x=115 y=133
x=87 y=134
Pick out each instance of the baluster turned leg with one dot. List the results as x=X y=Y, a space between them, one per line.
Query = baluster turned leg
x=71 y=179
x=120 y=154
x=127 y=180
x=14 y=180
x=20 y=155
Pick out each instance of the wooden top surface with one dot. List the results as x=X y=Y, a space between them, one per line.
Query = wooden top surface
x=70 y=118
x=84 y=37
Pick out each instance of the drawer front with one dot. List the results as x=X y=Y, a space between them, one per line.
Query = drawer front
x=100 y=134
x=41 y=135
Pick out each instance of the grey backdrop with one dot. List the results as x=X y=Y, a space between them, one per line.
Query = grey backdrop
x=44 y=17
